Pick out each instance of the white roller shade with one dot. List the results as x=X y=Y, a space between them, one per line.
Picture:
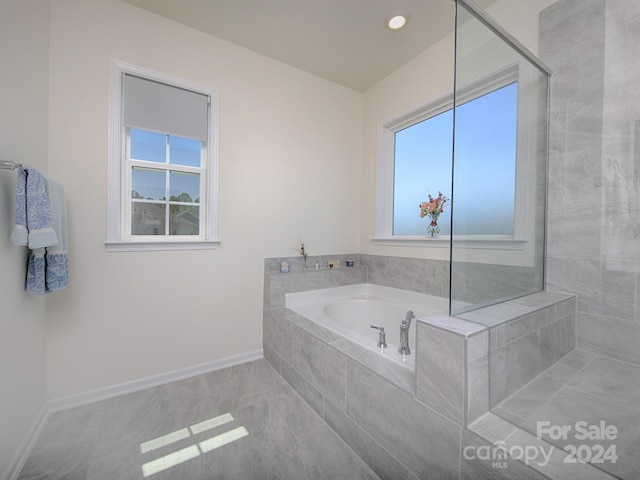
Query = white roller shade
x=163 y=108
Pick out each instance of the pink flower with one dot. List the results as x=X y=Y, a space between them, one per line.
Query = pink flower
x=434 y=207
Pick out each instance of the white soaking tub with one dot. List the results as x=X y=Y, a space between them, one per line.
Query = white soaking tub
x=351 y=310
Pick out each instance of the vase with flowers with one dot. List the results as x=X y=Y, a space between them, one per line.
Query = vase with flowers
x=432 y=209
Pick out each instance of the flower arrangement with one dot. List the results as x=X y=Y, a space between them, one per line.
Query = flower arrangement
x=432 y=209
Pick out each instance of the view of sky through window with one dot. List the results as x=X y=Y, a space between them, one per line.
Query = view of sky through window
x=150 y=183
x=485 y=156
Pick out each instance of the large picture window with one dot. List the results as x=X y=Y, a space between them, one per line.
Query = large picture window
x=416 y=160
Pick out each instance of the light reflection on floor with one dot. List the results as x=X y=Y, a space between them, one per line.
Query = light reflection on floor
x=192 y=451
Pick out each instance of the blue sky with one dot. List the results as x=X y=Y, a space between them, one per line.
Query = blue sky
x=152 y=147
x=484 y=169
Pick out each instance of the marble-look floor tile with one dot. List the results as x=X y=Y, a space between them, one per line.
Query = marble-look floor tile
x=492 y=427
x=610 y=379
x=582 y=387
x=240 y=423
x=525 y=401
x=65 y=445
x=570 y=406
x=577 y=358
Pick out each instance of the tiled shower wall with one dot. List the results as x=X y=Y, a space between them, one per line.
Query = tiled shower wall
x=413 y=274
x=594 y=168
x=473 y=282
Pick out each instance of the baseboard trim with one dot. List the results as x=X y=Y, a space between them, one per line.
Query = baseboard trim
x=97 y=395
x=24 y=450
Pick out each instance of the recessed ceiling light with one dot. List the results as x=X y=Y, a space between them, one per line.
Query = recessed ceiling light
x=396 y=22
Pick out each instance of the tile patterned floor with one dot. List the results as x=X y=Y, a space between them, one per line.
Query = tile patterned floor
x=585 y=387
x=243 y=422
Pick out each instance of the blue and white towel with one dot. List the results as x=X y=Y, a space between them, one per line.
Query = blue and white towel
x=41 y=224
x=34 y=226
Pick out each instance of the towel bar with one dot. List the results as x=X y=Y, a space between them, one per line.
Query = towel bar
x=6 y=165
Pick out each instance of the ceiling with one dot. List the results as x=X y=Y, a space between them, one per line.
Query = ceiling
x=345 y=41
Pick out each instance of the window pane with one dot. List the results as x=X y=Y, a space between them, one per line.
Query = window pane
x=148 y=146
x=422 y=167
x=185 y=151
x=148 y=184
x=148 y=218
x=485 y=171
x=184 y=187
x=184 y=220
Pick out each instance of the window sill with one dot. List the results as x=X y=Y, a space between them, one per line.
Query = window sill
x=493 y=242
x=161 y=246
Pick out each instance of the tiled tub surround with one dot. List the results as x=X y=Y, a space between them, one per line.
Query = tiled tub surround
x=404 y=425
x=527 y=335
x=369 y=401
x=353 y=310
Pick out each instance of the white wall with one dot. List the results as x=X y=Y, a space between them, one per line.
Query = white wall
x=290 y=146
x=24 y=55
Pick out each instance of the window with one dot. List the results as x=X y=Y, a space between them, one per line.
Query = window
x=415 y=161
x=163 y=162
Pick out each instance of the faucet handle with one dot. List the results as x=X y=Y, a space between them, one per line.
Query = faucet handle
x=407 y=319
x=382 y=342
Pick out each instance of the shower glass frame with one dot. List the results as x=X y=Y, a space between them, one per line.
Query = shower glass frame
x=510 y=266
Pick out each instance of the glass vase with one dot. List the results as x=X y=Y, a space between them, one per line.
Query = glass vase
x=433 y=230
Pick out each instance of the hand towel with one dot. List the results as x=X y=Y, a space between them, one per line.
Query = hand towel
x=34 y=225
x=57 y=259
x=48 y=268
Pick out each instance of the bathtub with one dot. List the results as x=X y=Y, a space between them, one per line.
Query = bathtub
x=351 y=310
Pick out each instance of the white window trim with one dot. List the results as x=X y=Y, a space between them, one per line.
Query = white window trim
x=117 y=207
x=385 y=169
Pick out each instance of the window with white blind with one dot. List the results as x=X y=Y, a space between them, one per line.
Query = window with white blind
x=163 y=162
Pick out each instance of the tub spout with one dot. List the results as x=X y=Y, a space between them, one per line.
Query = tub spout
x=404 y=334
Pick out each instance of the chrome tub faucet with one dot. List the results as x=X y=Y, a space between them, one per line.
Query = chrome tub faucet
x=404 y=334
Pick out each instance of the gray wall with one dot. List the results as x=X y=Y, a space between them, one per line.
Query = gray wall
x=593 y=236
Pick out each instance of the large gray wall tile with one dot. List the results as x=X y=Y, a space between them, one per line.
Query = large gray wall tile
x=414 y=274
x=477 y=387
x=593 y=167
x=556 y=340
x=440 y=371
x=609 y=336
x=513 y=365
x=374 y=455
x=421 y=438
x=277 y=334
x=278 y=284
x=305 y=389
x=321 y=365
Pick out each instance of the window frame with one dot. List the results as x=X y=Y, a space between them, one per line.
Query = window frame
x=119 y=204
x=386 y=167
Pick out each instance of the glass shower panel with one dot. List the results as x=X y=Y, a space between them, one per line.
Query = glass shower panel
x=499 y=169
